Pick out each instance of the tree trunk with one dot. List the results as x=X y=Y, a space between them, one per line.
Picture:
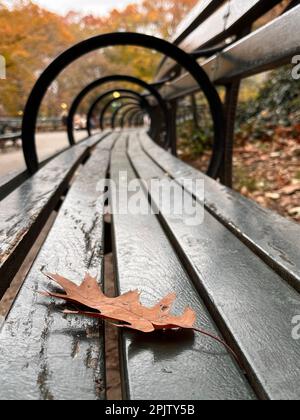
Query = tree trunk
x=194 y=111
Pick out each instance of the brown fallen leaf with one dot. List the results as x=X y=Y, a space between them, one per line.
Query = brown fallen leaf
x=272 y=196
x=126 y=311
x=291 y=189
x=295 y=211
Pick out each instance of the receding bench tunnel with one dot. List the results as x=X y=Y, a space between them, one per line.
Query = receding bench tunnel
x=238 y=267
x=128 y=93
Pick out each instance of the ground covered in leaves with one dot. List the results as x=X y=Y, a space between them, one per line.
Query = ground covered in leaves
x=265 y=170
x=266 y=144
x=269 y=173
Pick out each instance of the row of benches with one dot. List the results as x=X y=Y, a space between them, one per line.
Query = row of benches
x=239 y=269
x=234 y=291
x=14 y=137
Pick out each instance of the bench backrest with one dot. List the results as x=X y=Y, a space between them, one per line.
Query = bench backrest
x=231 y=41
x=212 y=24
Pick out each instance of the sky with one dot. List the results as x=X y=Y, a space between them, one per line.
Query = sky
x=97 y=7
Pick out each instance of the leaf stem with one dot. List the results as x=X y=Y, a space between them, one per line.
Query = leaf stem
x=224 y=344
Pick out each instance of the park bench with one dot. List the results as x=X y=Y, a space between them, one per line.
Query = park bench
x=239 y=269
x=4 y=138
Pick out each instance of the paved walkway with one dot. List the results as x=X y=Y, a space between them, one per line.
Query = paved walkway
x=11 y=158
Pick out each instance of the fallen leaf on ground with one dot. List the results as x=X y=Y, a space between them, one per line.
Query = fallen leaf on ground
x=126 y=311
x=294 y=211
x=272 y=196
x=291 y=189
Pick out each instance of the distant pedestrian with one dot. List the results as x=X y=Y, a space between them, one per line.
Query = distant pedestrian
x=64 y=119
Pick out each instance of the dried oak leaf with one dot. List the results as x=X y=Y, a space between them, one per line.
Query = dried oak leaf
x=125 y=309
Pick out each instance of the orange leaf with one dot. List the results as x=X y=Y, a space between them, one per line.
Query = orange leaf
x=127 y=309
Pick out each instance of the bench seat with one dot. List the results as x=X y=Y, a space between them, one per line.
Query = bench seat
x=165 y=365
x=275 y=239
x=24 y=212
x=221 y=268
x=251 y=303
x=43 y=354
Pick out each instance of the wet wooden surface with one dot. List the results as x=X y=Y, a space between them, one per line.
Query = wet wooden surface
x=229 y=19
x=275 y=239
x=170 y=365
x=236 y=270
x=252 y=305
x=43 y=354
x=24 y=212
x=252 y=55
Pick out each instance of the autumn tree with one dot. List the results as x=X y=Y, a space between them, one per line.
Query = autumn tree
x=159 y=18
x=30 y=37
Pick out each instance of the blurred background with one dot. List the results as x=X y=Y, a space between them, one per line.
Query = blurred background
x=267 y=145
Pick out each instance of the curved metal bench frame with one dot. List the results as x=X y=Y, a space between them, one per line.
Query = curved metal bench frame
x=121 y=39
x=125 y=114
x=136 y=120
x=99 y=82
x=105 y=95
x=117 y=111
x=132 y=117
x=109 y=104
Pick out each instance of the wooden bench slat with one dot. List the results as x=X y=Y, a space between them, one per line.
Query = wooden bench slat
x=10 y=136
x=200 y=12
x=253 y=54
x=164 y=365
x=250 y=302
x=275 y=239
x=196 y=17
x=24 y=212
x=12 y=180
x=213 y=27
x=227 y=20
x=258 y=52
x=43 y=354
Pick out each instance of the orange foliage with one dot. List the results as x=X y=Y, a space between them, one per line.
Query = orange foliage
x=30 y=37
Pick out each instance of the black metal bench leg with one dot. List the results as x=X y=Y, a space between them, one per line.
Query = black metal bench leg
x=173 y=127
x=156 y=122
x=231 y=103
